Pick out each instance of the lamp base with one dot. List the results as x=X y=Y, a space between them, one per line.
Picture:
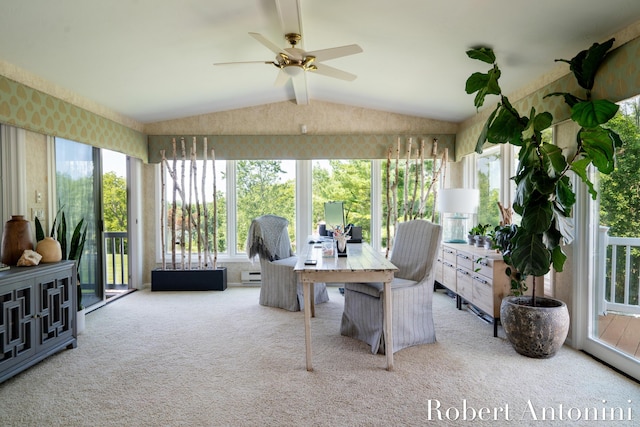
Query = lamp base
x=455 y=241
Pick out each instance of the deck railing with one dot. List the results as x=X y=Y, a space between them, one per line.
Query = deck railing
x=116 y=250
x=618 y=274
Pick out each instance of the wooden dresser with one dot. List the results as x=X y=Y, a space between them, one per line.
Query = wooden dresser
x=476 y=276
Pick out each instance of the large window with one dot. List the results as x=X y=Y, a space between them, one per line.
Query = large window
x=250 y=188
x=196 y=178
x=264 y=187
x=348 y=181
x=408 y=192
x=489 y=182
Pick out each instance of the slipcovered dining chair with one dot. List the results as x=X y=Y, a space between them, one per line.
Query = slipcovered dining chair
x=268 y=239
x=414 y=253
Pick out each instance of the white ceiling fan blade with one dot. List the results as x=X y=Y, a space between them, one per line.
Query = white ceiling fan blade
x=328 y=71
x=290 y=19
x=299 y=80
x=243 y=62
x=335 y=52
x=268 y=43
x=281 y=78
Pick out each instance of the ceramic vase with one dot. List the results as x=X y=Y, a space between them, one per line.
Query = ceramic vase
x=16 y=238
x=50 y=250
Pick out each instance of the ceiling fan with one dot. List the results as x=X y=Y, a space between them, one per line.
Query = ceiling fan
x=294 y=62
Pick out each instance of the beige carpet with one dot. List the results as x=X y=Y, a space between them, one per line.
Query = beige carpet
x=220 y=359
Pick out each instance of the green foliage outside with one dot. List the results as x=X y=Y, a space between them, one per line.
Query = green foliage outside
x=488 y=212
x=264 y=187
x=261 y=189
x=413 y=204
x=114 y=190
x=348 y=181
x=620 y=199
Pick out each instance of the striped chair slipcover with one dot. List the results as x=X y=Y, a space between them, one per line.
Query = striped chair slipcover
x=414 y=253
x=268 y=239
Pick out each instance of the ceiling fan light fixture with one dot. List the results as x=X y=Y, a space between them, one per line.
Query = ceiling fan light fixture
x=293 y=70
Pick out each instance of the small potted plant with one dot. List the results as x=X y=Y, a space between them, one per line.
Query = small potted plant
x=478 y=233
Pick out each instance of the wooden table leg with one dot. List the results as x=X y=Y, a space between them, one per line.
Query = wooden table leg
x=388 y=327
x=312 y=300
x=307 y=322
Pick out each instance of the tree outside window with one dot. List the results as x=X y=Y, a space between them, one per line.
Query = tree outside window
x=264 y=187
x=348 y=181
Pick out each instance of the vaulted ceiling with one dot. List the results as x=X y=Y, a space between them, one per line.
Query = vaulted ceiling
x=153 y=60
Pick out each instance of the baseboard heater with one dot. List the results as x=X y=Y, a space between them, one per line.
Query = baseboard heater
x=251 y=277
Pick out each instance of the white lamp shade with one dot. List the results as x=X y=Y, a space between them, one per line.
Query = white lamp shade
x=458 y=200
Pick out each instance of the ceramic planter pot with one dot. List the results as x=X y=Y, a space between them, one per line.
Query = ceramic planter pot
x=536 y=332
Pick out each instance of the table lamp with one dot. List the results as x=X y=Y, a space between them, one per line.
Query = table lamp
x=457 y=205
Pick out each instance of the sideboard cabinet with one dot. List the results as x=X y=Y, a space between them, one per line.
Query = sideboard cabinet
x=476 y=276
x=37 y=314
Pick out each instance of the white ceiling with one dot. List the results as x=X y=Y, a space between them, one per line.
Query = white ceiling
x=152 y=60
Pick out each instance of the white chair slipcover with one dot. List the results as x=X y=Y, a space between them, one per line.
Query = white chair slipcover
x=414 y=253
x=268 y=239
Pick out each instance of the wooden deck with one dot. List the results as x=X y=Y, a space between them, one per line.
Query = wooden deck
x=621 y=331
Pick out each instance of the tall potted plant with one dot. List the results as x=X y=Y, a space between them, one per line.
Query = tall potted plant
x=544 y=194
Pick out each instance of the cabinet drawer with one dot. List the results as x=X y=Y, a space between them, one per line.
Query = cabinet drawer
x=464 y=283
x=483 y=266
x=483 y=295
x=449 y=255
x=449 y=276
x=465 y=260
x=437 y=274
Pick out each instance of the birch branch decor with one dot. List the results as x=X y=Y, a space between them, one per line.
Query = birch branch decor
x=187 y=213
x=417 y=185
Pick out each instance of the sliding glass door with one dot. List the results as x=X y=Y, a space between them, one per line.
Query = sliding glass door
x=613 y=320
x=78 y=194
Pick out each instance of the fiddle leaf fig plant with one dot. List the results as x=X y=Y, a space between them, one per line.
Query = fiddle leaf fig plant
x=544 y=195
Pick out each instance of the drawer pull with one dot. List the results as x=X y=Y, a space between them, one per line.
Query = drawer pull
x=481 y=280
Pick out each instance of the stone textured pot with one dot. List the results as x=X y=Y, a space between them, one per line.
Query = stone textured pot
x=536 y=332
x=50 y=250
x=16 y=238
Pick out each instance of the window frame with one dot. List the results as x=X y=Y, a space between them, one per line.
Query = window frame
x=303 y=203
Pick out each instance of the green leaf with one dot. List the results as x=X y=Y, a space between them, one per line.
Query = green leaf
x=530 y=256
x=552 y=159
x=593 y=113
x=476 y=82
x=77 y=241
x=542 y=121
x=586 y=63
x=482 y=53
x=566 y=227
x=579 y=167
x=615 y=138
x=565 y=196
x=558 y=257
x=483 y=134
x=62 y=235
x=39 y=230
x=599 y=147
x=537 y=217
x=484 y=84
x=505 y=128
